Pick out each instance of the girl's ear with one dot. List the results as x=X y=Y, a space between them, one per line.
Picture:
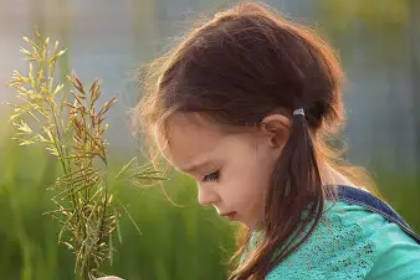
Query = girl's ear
x=276 y=128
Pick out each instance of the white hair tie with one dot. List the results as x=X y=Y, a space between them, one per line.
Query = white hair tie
x=299 y=111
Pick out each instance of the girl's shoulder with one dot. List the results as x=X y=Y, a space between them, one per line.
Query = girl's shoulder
x=351 y=242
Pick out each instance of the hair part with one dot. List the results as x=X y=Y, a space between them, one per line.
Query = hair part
x=236 y=67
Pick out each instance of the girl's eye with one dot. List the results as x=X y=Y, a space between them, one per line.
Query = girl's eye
x=212 y=176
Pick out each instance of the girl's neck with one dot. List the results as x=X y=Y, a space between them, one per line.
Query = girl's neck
x=330 y=176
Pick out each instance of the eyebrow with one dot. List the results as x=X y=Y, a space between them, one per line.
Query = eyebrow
x=196 y=167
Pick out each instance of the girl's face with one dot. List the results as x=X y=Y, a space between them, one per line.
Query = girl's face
x=232 y=170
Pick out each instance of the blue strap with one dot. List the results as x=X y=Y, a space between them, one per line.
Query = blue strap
x=372 y=203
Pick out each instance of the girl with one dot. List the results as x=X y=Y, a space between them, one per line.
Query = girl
x=247 y=103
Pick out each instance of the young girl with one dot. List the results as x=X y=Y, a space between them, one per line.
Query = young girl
x=247 y=104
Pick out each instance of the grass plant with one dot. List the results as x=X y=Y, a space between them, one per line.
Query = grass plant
x=71 y=127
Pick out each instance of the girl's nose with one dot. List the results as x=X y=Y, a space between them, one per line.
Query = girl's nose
x=207 y=196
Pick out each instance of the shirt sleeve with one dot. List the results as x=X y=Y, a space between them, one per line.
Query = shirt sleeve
x=397 y=256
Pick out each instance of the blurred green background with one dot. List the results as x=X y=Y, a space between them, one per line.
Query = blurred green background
x=378 y=43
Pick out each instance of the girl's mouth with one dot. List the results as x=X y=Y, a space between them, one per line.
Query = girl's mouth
x=231 y=215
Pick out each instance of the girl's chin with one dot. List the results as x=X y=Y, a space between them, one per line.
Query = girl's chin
x=252 y=226
x=256 y=226
x=249 y=226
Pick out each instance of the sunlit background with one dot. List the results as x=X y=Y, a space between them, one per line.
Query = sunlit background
x=379 y=46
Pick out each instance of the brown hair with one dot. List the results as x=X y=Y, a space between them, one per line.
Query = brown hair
x=234 y=69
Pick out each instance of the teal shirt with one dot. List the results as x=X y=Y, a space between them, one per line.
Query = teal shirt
x=350 y=243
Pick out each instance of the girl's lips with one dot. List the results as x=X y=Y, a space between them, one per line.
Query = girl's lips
x=231 y=216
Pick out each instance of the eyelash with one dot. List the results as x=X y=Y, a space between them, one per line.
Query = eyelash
x=206 y=178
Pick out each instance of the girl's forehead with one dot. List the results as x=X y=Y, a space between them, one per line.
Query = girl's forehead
x=188 y=138
x=193 y=135
x=185 y=140
x=200 y=123
x=188 y=127
x=189 y=120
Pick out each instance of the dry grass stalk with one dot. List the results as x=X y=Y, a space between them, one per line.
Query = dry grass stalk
x=74 y=134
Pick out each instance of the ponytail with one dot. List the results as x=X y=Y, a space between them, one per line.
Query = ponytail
x=295 y=195
x=296 y=186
